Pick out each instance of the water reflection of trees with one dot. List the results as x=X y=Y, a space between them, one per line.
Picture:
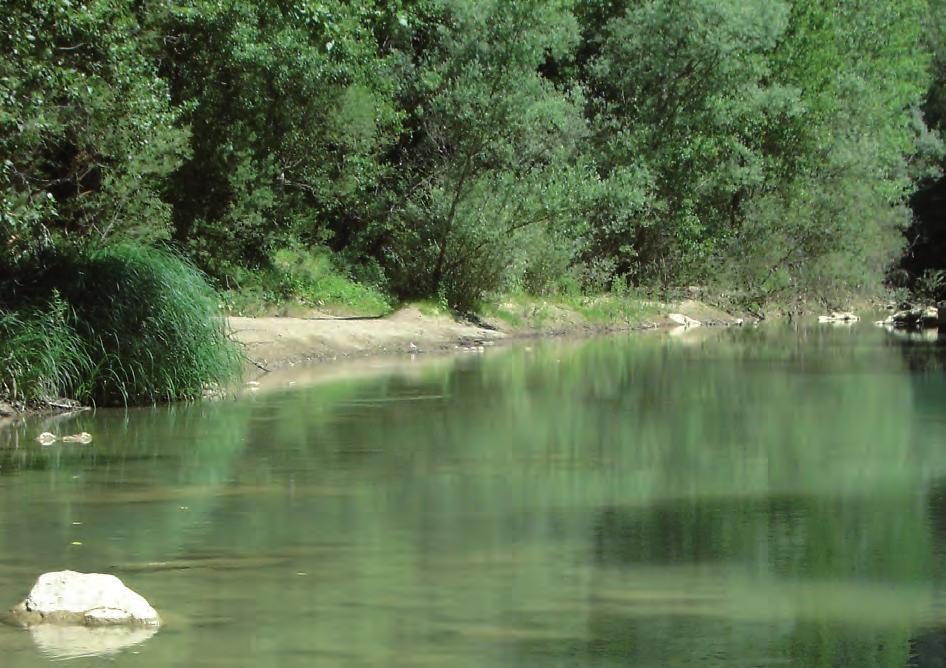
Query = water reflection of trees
x=923 y=351
x=763 y=458
x=737 y=496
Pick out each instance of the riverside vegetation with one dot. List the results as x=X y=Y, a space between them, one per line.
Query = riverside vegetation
x=359 y=153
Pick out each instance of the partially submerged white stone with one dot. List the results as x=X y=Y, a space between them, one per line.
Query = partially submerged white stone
x=90 y=599
x=85 y=438
x=107 y=616
x=46 y=438
x=839 y=317
x=684 y=320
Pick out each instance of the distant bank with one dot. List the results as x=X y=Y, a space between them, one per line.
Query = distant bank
x=275 y=342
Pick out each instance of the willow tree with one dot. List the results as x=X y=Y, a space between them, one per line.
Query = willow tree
x=768 y=146
x=486 y=161
x=833 y=222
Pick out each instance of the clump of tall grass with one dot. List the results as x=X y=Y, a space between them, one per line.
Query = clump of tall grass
x=152 y=325
x=145 y=319
x=40 y=354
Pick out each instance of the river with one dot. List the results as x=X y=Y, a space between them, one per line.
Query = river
x=744 y=497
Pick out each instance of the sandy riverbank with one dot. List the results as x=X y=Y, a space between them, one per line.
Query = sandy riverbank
x=275 y=342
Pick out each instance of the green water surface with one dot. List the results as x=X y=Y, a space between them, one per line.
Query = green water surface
x=744 y=497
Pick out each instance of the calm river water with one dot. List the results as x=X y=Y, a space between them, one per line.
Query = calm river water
x=738 y=497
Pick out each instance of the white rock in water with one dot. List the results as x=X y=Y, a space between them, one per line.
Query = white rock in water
x=46 y=438
x=686 y=321
x=84 y=598
x=839 y=317
x=107 y=616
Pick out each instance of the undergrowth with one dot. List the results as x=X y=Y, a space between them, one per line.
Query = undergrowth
x=522 y=310
x=308 y=279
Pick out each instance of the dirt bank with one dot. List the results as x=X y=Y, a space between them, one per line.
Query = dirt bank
x=272 y=343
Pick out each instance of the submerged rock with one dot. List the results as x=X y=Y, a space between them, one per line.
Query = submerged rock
x=85 y=599
x=46 y=438
x=85 y=438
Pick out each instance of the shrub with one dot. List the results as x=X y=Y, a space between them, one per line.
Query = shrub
x=930 y=286
x=145 y=320
x=309 y=277
x=152 y=324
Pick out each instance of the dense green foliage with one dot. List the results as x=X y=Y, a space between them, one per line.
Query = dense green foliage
x=119 y=325
x=453 y=148
x=925 y=259
x=88 y=133
x=449 y=149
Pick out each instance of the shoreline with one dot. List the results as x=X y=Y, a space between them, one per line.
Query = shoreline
x=272 y=343
x=317 y=339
